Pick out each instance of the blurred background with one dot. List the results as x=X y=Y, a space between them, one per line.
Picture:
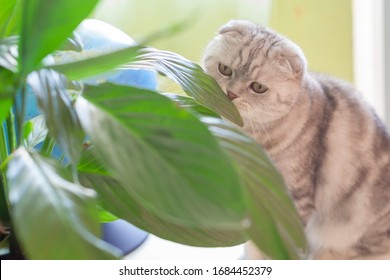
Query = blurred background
x=344 y=38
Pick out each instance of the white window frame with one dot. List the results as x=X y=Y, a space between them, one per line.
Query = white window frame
x=386 y=70
x=371 y=61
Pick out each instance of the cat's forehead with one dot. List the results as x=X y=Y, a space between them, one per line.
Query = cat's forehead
x=246 y=32
x=252 y=51
x=242 y=28
x=257 y=39
x=249 y=52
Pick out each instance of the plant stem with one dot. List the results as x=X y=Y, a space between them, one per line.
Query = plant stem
x=48 y=145
x=4 y=211
x=20 y=114
x=3 y=142
x=11 y=132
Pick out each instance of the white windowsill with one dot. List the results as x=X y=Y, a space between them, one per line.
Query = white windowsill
x=155 y=248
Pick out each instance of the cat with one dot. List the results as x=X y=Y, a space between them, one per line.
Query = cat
x=329 y=145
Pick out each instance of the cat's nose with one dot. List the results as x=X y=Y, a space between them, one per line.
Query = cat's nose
x=231 y=95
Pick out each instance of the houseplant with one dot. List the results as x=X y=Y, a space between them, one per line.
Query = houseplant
x=166 y=163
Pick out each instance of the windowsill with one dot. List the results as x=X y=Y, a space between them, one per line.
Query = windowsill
x=155 y=248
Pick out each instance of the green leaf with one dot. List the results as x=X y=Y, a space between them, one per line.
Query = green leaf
x=191 y=105
x=7 y=7
x=4 y=148
x=57 y=107
x=194 y=81
x=5 y=106
x=53 y=218
x=117 y=200
x=48 y=146
x=38 y=133
x=6 y=92
x=105 y=216
x=45 y=26
x=274 y=222
x=10 y=14
x=90 y=63
x=165 y=156
x=27 y=129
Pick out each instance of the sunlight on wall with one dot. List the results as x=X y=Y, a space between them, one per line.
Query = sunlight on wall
x=140 y=18
x=323 y=28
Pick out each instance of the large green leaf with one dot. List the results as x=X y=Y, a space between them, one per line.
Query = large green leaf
x=5 y=106
x=276 y=227
x=194 y=81
x=116 y=199
x=53 y=218
x=45 y=26
x=189 y=75
x=10 y=14
x=57 y=107
x=274 y=222
x=191 y=105
x=166 y=158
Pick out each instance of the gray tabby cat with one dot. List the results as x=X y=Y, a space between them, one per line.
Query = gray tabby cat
x=329 y=145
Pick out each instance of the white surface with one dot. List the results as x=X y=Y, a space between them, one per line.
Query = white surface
x=155 y=248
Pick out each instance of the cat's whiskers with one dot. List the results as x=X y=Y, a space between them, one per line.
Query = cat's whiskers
x=259 y=126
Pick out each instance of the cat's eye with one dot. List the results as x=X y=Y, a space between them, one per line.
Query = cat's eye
x=225 y=70
x=258 y=88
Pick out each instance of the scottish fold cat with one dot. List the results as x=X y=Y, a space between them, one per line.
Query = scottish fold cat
x=331 y=148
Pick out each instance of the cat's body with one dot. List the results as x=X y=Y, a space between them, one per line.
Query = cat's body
x=329 y=145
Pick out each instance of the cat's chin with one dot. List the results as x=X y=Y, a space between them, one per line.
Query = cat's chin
x=259 y=118
x=249 y=112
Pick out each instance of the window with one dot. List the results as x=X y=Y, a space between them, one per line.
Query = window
x=371 y=56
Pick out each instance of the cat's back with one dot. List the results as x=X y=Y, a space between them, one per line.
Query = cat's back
x=353 y=182
x=351 y=117
x=355 y=139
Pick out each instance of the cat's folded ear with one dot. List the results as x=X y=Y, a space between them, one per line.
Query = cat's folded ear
x=292 y=61
x=237 y=28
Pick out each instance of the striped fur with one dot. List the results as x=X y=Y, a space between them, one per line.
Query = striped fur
x=330 y=146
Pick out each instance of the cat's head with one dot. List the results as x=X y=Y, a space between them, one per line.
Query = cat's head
x=259 y=70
